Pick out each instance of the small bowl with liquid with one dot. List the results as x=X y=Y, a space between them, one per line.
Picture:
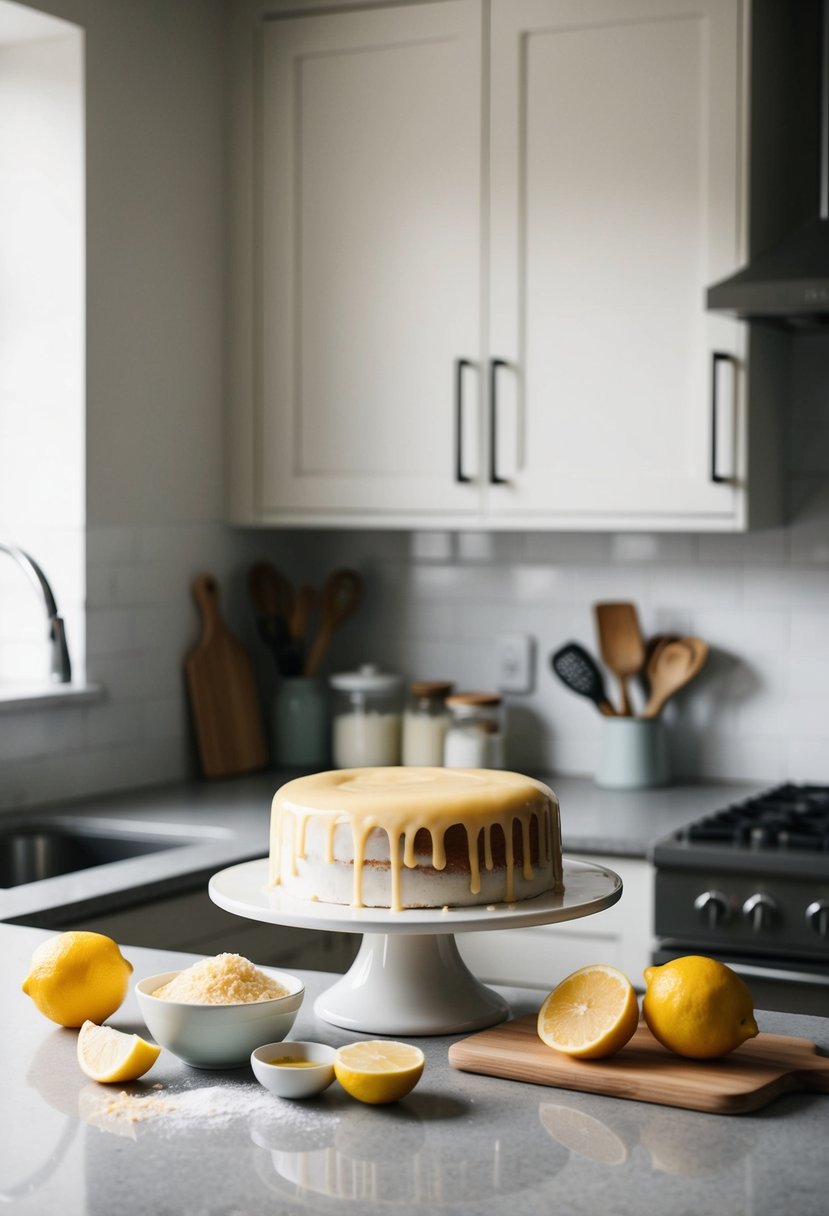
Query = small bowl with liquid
x=294 y=1070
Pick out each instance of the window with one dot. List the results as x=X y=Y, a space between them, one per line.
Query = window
x=42 y=335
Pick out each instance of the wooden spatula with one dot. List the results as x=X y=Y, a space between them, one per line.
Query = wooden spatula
x=672 y=667
x=622 y=645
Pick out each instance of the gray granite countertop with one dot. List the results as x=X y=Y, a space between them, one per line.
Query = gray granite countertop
x=460 y=1143
x=216 y=824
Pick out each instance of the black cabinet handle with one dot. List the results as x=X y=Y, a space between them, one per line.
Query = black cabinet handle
x=494 y=479
x=717 y=358
x=460 y=364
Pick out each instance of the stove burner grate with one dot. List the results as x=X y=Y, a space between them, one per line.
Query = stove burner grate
x=787 y=817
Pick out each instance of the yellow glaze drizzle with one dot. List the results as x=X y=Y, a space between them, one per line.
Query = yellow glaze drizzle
x=400 y=802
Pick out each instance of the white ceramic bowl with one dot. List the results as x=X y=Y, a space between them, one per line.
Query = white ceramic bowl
x=288 y=1081
x=218 y=1036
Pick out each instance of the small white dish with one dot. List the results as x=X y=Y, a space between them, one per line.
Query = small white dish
x=218 y=1036
x=294 y=1070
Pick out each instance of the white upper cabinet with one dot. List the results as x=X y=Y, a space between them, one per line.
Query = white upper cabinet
x=480 y=243
x=371 y=262
x=615 y=191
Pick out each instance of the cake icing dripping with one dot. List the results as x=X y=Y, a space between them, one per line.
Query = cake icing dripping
x=401 y=801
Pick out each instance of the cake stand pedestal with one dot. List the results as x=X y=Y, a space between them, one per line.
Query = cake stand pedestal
x=408 y=977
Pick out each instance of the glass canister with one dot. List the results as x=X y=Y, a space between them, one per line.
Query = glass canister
x=475 y=738
x=425 y=722
x=366 y=718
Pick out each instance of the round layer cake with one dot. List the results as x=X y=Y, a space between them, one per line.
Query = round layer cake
x=415 y=837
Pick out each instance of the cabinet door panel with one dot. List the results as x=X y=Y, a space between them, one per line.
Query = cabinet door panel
x=615 y=170
x=372 y=251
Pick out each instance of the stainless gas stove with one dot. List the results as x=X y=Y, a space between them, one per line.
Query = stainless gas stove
x=750 y=885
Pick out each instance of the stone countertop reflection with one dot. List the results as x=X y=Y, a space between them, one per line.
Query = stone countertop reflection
x=459 y=1143
x=234 y=817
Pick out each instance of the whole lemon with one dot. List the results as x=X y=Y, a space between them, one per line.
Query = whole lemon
x=698 y=1007
x=77 y=977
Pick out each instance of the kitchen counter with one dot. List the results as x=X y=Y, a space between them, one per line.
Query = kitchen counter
x=227 y=821
x=459 y=1143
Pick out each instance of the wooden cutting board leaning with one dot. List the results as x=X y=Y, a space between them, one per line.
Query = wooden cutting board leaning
x=645 y=1071
x=227 y=716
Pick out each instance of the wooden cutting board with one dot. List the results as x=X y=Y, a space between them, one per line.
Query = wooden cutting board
x=644 y=1071
x=227 y=716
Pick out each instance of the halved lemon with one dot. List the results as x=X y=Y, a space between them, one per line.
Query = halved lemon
x=106 y=1054
x=376 y=1071
x=592 y=1013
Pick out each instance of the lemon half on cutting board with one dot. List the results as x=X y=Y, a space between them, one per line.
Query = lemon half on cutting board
x=590 y=1014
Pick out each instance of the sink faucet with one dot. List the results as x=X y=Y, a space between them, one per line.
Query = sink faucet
x=61 y=668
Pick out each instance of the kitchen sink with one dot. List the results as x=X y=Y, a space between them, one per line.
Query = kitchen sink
x=31 y=852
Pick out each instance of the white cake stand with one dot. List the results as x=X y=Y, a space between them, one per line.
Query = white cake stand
x=408 y=976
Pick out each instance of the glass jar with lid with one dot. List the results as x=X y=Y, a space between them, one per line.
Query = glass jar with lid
x=366 y=718
x=475 y=738
x=425 y=722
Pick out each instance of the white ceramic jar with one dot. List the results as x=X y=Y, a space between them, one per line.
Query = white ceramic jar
x=366 y=718
x=475 y=738
x=425 y=722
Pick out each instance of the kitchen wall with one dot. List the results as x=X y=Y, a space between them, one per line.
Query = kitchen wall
x=435 y=602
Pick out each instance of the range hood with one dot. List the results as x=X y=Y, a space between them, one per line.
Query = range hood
x=788 y=284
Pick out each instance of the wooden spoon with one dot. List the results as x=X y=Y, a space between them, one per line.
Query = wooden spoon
x=622 y=645
x=304 y=605
x=671 y=667
x=341 y=594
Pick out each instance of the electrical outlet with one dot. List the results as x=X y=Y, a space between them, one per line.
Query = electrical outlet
x=516 y=662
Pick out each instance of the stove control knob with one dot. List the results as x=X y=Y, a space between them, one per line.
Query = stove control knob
x=713 y=907
x=817 y=915
x=760 y=911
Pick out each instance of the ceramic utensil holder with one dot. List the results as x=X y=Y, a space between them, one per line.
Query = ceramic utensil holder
x=633 y=754
x=299 y=724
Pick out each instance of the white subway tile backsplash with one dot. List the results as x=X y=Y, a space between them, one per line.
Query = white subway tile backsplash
x=432 y=546
x=809 y=533
x=809 y=634
x=554 y=548
x=164 y=718
x=135 y=675
x=635 y=547
x=109 y=631
x=756 y=758
x=40 y=733
x=114 y=722
x=108 y=544
x=743 y=630
x=751 y=548
x=792 y=587
x=141 y=583
x=696 y=586
x=807 y=759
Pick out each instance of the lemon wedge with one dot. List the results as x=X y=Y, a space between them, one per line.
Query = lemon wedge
x=592 y=1013
x=377 y=1072
x=107 y=1055
x=78 y=976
